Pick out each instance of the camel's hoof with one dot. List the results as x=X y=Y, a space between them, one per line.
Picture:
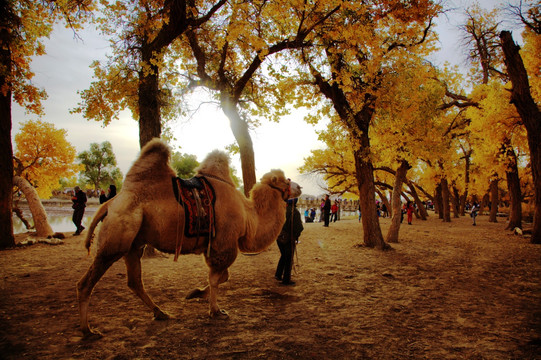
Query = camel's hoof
x=221 y=314
x=161 y=316
x=92 y=335
x=196 y=293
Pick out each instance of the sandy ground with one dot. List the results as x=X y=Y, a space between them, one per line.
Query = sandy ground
x=446 y=291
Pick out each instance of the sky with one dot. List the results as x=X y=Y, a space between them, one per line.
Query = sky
x=64 y=70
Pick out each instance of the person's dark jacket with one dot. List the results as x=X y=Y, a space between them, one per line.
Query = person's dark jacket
x=79 y=200
x=293 y=226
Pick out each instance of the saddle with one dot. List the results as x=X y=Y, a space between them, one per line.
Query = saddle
x=197 y=197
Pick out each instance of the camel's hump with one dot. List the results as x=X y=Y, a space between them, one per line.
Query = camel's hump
x=216 y=163
x=156 y=146
x=154 y=155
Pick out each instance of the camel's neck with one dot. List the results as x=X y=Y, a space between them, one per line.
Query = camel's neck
x=266 y=223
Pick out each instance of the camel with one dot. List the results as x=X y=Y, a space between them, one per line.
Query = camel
x=146 y=211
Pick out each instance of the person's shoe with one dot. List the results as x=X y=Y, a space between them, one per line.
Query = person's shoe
x=76 y=233
x=279 y=278
x=81 y=229
x=288 y=283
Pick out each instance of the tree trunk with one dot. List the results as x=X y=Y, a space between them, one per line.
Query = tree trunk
x=438 y=201
x=149 y=103
x=464 y=197
x=400 y=176
x=531 y=117
x=456 y=203
x=239 y=127
x=485 y=202
x=494 y=200
x=21 y=217
x=6 y=151
x=445 y=200
x=41 y=224
x=385 y=201
x=421 y=209
x=364 y=170
x=149 y=113
x=462 y=204
x=515 y=196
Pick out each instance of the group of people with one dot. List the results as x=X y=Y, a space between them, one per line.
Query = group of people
x=328 y=212
x=79 y=200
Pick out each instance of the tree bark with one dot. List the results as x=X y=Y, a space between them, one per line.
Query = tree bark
x=485 y=201
x=456 y=202
x=445 y=200
x=531 y=117
x=438 y=201
x=494 y=200
x=41 y=224
x=6 y=151
x=21 y=217
x=464 y=197
x=400 y=177
x=385 y=201
x=364 y=170
x=148 y=103
x=421 y=209
x=239 y=127
x=515 y=195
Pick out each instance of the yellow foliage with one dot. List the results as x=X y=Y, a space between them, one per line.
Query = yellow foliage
x=494 y=126
x=43 y=156
x=35 y=20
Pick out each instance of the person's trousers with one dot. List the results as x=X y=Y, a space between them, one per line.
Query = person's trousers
x=78 y=217
x=283 y=270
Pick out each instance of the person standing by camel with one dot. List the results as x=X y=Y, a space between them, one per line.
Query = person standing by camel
x=286 y=242
x=79 y=204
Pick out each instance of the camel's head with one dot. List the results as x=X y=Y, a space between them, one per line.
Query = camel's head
x=294 y=190
x=277 y=180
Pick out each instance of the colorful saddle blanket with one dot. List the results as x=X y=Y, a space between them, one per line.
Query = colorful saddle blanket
x=198 y=198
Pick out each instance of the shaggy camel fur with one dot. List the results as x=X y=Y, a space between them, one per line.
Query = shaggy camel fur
x=146 y=212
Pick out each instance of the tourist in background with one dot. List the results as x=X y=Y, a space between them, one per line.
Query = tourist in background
x=79 y=204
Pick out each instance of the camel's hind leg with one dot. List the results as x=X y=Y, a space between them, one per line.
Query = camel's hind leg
x=204 y=292
x=135 y=283
x=115 y=240
x=86 y=285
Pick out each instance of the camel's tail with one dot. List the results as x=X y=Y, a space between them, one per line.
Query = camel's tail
x=99 y=216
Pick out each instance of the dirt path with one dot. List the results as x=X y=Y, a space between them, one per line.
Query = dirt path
x=446 y=291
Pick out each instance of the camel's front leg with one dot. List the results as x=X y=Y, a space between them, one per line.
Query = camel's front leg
x=135 y=283
x=215 y=279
